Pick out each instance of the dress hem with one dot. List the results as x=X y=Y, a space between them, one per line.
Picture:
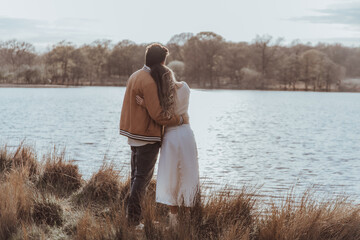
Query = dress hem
x=170 y=204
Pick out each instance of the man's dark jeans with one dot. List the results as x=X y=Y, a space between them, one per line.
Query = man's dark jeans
x=143 y=161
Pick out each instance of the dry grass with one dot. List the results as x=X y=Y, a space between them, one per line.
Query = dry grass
x=88 y=228
x=16 y=199
x=4 y=159
x=99 y=212
x=226 y=211
x=22 y=157
x=47 y=211
x=103 y=187
x=60 y=176
x=307 y=219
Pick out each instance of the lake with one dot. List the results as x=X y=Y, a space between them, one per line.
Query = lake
x=276 y=140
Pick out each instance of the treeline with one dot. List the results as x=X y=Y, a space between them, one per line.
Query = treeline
x=204 y=60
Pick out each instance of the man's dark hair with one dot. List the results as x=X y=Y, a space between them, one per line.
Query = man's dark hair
x=155 y=54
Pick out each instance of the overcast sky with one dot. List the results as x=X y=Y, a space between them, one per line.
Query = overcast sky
x=46 y=22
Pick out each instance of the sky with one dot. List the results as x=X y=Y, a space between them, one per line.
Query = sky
x=47 y=22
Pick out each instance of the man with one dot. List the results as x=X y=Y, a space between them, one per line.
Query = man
x=143 y=127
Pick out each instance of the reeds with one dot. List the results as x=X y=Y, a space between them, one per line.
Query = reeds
x=34 y=205
x=15 y=202
x=47 y=211
x=60 y=176
x=103 y=187
x=306 y=218
x=22 y=157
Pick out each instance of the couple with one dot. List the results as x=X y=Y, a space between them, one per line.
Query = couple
x=154 y=114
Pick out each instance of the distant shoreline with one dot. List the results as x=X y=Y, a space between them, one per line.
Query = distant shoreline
x=13 y=85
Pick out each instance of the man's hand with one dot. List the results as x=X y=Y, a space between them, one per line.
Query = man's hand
x=185 y=118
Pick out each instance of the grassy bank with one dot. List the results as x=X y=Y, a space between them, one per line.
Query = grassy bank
x=48 y=199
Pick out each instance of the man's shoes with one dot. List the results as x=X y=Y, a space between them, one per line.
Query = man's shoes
x=136 y=226
x=139 y=227
x=173 y=220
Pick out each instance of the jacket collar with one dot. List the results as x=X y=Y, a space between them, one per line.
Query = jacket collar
x=146 y=68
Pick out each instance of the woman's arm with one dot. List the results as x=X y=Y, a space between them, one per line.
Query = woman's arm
x=140 y=101
x=150 y=96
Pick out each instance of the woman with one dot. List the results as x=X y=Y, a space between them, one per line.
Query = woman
x=178 y=170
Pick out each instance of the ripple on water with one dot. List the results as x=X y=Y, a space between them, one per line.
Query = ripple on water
x=243 y=137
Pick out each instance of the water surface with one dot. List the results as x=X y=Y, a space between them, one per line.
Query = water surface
x=274 y=139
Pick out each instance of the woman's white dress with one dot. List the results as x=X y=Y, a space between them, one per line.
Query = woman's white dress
x=178 y=170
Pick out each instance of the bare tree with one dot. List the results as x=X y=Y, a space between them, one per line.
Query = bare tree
x=79 y=70
x=175 y=46
x=178 y=68
x=203 y=57
x=97 y=53
x=236 y=58
x=125 y=58
x=17 y=53
x=311 y=61
x=59 y=59
x=265 y=53
x=352 y=63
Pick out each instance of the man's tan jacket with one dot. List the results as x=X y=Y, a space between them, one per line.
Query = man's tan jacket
x=141 y=123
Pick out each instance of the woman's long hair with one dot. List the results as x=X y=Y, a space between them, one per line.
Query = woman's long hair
x=165 y=82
